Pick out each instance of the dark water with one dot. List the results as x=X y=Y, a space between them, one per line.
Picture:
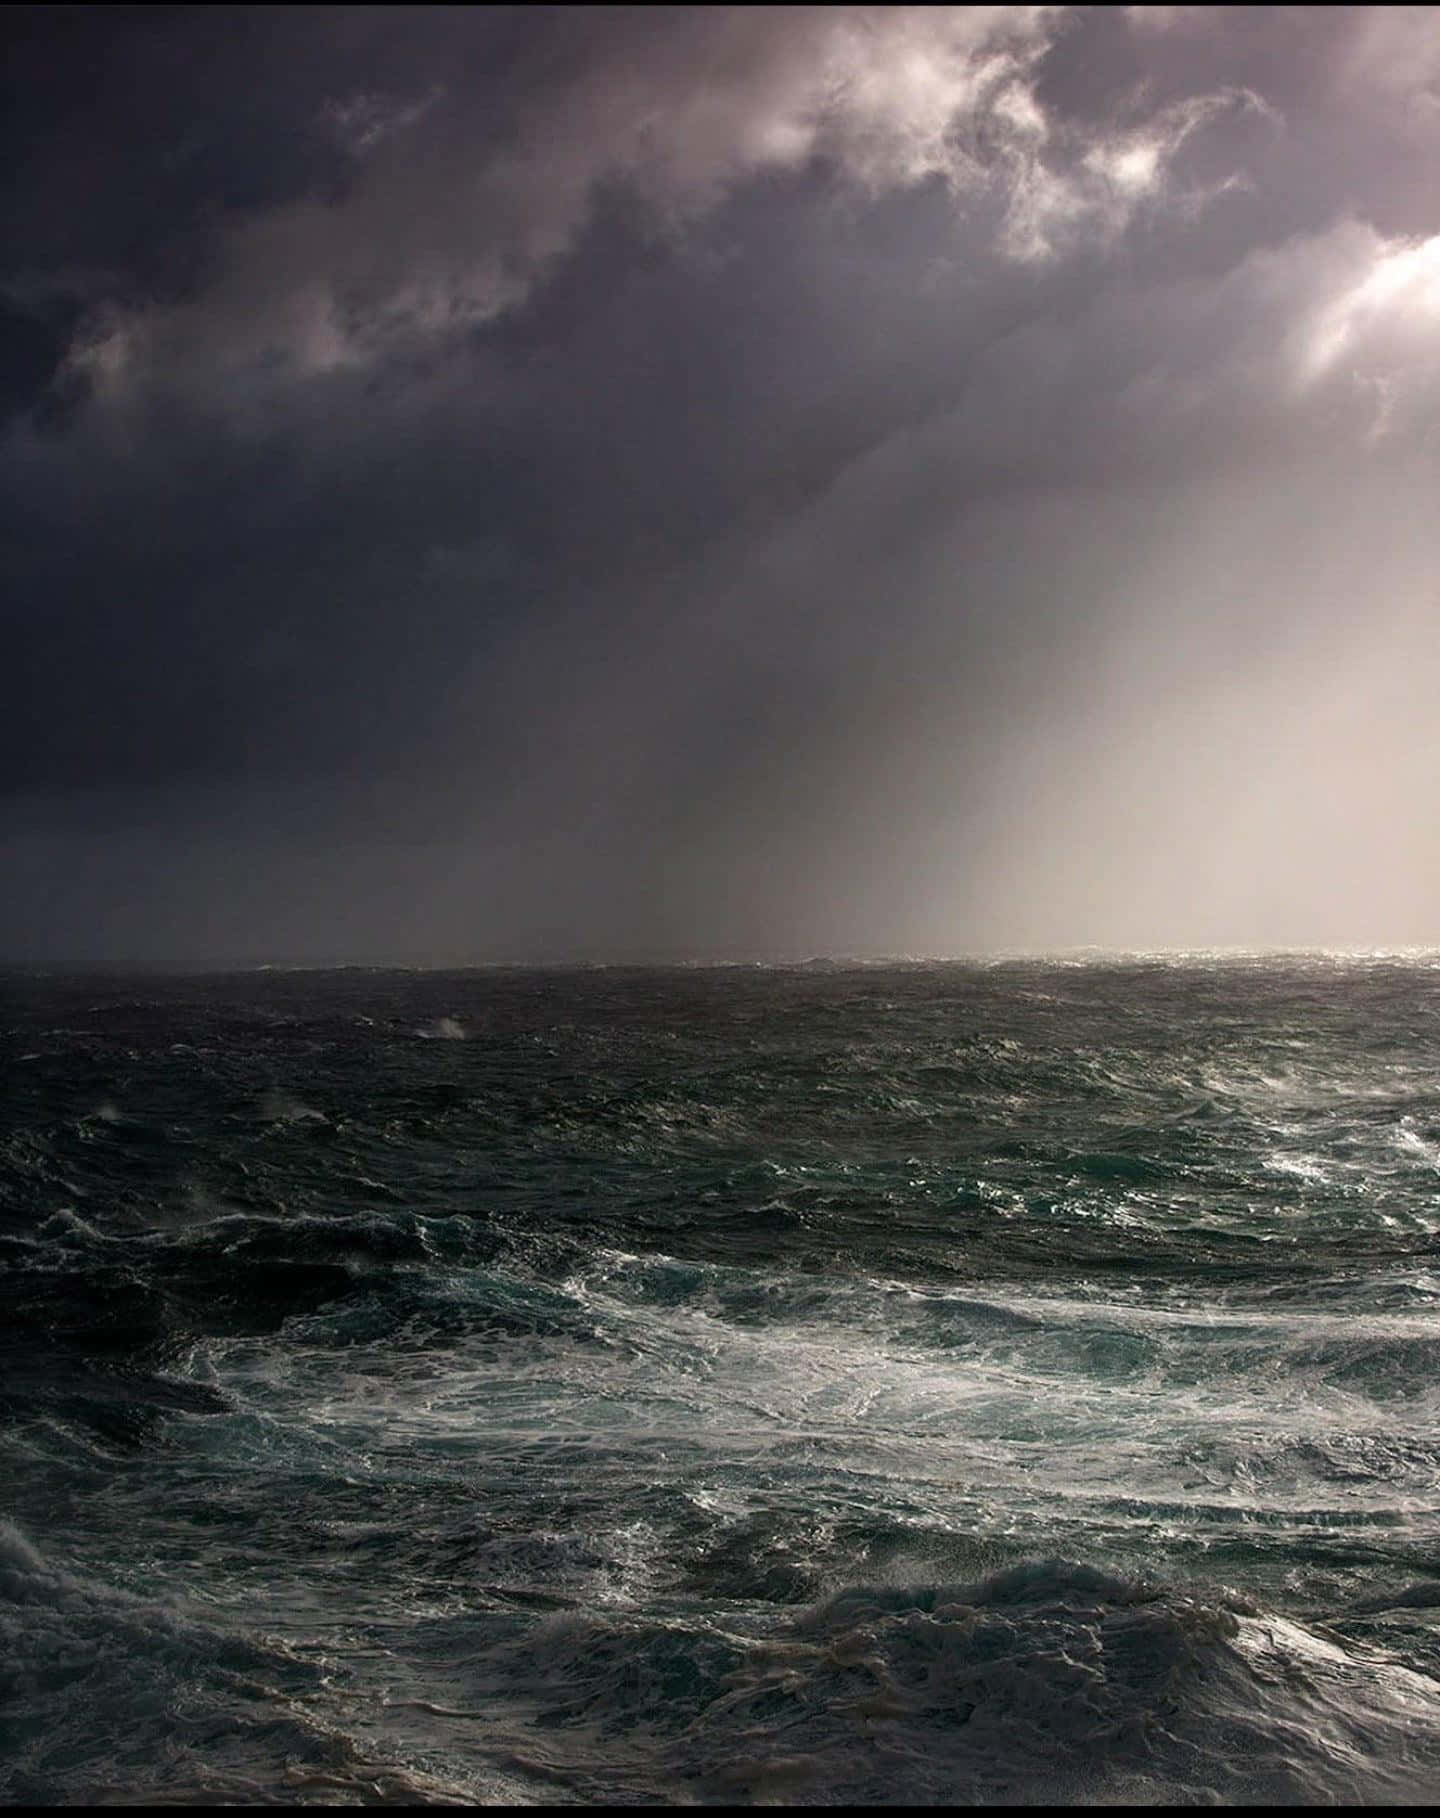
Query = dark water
x=927 y=1382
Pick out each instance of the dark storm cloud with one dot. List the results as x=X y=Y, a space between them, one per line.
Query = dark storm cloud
x=611 y=480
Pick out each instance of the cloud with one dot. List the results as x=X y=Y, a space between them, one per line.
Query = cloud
x=448 y=221
x=366 y=119
x=1107 y=177
x=1379 y=322
x=1394 y=54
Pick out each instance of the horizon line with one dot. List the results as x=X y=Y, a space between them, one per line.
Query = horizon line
x=1078 y=954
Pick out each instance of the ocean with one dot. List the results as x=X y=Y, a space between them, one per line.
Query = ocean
x=954 y=1383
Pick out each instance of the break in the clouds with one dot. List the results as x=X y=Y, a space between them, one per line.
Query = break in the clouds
x=606 y=483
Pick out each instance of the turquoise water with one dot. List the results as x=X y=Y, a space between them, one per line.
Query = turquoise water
x=961 y=1383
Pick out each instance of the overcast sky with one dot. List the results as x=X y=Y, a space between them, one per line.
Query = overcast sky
x=625 y=483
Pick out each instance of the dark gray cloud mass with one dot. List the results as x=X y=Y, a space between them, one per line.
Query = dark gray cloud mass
x=609 y=483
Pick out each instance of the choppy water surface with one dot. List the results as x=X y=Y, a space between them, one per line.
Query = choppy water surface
x=938 y=1382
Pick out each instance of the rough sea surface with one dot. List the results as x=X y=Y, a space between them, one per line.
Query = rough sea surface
x=953 y=1383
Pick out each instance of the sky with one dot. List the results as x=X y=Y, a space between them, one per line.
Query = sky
x=702 y=483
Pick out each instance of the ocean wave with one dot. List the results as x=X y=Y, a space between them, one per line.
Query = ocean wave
x=702 y=1386
x=92 y=1676
x=1047 y=1681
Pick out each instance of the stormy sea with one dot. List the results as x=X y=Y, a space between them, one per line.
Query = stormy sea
x=955 y=1383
